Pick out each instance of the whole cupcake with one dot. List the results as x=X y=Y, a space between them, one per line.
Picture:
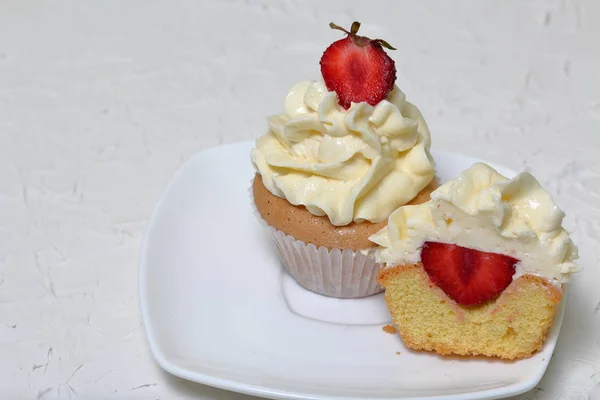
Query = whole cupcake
x=347 y=152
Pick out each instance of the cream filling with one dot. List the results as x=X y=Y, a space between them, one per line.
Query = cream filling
x=486 y=211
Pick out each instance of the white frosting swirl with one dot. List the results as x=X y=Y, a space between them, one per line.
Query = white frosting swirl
x=351 y=165
x=486 y=211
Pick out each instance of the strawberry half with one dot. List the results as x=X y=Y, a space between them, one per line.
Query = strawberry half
x=357 y=68
x=468 y=276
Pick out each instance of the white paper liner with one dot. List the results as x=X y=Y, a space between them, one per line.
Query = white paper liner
x=330 y=272
x=335 y=273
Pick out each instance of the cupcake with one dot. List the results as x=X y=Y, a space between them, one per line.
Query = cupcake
x=478 y=269
x=347 y=151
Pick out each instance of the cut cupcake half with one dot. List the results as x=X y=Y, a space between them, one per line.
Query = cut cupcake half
x=479 y=269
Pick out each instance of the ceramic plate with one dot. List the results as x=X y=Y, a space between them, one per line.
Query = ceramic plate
x=219 y=309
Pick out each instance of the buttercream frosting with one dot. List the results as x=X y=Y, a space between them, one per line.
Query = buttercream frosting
x=351 y=165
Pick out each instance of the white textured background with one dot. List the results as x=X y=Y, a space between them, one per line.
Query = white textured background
x=101 y=101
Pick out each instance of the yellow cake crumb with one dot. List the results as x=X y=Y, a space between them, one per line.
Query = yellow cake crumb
x=514 y=325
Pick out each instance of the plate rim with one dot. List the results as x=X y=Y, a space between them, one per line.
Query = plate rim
x=264 y=391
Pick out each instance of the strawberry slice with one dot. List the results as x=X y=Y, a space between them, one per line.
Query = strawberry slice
x=468 y=276
x=357 y=68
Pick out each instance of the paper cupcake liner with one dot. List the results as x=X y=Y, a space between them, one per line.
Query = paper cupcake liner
x=331 y=272
x=335 y=273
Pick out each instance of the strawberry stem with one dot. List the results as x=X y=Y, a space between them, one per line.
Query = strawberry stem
x=385 y=44
x=339 y=28
x=361 y=40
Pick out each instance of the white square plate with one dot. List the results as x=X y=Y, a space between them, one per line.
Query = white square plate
x=219 y=309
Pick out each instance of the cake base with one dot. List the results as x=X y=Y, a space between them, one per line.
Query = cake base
x=514 y=325
x=298 y=222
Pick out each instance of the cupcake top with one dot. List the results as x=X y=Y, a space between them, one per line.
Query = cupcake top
x=351 y=165
x=350 y=146
x=483 y=210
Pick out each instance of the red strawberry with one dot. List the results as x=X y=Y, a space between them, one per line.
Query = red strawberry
x=468 y=276
x=357 y=68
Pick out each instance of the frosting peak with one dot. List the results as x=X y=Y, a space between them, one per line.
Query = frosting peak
x=351 y=165
x=484 y=210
